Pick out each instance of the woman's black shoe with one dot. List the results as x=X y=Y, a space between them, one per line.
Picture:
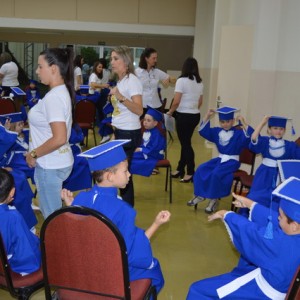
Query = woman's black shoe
x=177 y=175
x=187 y=180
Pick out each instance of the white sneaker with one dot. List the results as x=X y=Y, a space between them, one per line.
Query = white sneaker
x=195 y=201
x=105 y=139
x=212 y=205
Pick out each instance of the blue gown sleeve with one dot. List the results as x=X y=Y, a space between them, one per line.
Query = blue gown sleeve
x=209 y=133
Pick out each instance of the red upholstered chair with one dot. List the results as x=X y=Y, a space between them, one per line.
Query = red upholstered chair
x=294 y=289
x=84 y=257
x=85 y=117
x=7 y=106
x=20 y=287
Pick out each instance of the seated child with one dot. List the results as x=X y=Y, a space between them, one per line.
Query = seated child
x=22 y=246
x=109 y=166
x=23 y=196
x=32 y=94
x=213 y=179
x=80 y=177
x=153 y=146
x=267 y=262
x=272 y=148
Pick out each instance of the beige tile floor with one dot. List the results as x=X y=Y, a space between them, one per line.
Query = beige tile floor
x=189 y=248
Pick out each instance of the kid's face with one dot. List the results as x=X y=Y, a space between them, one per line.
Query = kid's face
x=226 y=124
x=121 y=176
x=283 y=222
x=118 y=66
x=149 y=122
x=277 y=132
x=43 y=70
x=19 y=126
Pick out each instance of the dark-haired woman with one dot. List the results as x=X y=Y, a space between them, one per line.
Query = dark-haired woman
x=150 y=78
x=78 y=80
x=50 y=122
x=187 y=102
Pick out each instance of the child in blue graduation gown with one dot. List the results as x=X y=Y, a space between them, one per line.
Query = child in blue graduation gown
x=269 y=258
x=32 y=94
x=213 y=179
x=22 y=246
x=153 y=146
x=80 y=177
x=272 y=148
x=23 y=196
x=109 y=165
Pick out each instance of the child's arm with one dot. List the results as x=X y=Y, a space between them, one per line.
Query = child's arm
x=208 y=115
x=258 y=129
x=242 y=121
x=161 y=218
x=67 y=196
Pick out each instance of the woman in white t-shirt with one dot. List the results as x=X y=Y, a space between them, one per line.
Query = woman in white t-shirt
x=8 y=73
x=126 y=98
x=150 y=78
x=78 y=81
x=187 y=102
x=50 y=122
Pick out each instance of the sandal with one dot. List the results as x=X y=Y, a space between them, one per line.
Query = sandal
x=155 y=172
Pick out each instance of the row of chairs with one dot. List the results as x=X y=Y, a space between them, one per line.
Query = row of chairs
x=84 y=257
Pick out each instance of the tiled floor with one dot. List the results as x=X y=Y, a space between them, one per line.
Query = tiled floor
x=189 y=248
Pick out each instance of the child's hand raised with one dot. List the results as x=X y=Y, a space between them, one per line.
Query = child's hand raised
x=67 y=196
x=162 y=217
x=265 y=119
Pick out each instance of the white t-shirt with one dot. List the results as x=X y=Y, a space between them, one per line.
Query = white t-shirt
x=94 y=78
x=191 y=91
x=10 y=71
x=77 y=72
x=150 y=81
x=122 y=117
x=54 y=107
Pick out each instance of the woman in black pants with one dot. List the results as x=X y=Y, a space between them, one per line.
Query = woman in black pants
x=187 y=102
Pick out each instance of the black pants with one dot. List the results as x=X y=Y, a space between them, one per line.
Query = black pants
x=185 y=126
x=136 y=138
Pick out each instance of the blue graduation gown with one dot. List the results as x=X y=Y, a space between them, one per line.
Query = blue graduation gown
x=22 y=246
x=80 y=177
x=23 y=195
x=213 y=179
x=265 y=179
x=140 y=260
x=277 y=258
x=32 y=96
x=153 y=146
x=16 y=158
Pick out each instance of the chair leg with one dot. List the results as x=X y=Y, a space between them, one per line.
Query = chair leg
x=94 y=137
x=171 y=191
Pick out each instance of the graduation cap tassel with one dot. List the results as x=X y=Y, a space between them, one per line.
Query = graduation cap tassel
x=269 y=230
x=293 y=130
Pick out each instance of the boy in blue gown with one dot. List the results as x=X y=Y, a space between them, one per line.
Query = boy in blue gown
x=213 y=179
x=110 y=171
x=23 y=196
x=272 y=148
x=22 y=246
x=153 y=146
x=269 y=257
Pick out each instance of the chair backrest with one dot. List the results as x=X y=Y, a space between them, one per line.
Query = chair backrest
x=294 y=289
x=84 y=251
x=297 y=141
x=7 y=106
x=248 y=157
x=85 y=112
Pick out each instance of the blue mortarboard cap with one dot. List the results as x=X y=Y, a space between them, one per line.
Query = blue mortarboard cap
x=13 y=117
x=157 y=115
x=289 y=193
x=226 y=112
x=84 y=89
x=275 y=121
x=106 y=155
x=17 y=91
x=33 y=81
x=288 y=168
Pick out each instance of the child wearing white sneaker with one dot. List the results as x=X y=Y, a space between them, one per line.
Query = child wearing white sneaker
x=213 y=179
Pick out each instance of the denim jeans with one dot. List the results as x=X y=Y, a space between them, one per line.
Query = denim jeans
x=49 y=185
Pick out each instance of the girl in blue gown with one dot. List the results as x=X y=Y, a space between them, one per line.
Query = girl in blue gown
x=153 y=146
x=110 y=171
x=272 y=148
x=268 y=259
x=22 y=246
x=213 y=179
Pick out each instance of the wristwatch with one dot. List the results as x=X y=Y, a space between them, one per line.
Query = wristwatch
x=33 y=154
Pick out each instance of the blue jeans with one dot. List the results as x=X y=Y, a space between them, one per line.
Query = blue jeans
x=49 y=185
